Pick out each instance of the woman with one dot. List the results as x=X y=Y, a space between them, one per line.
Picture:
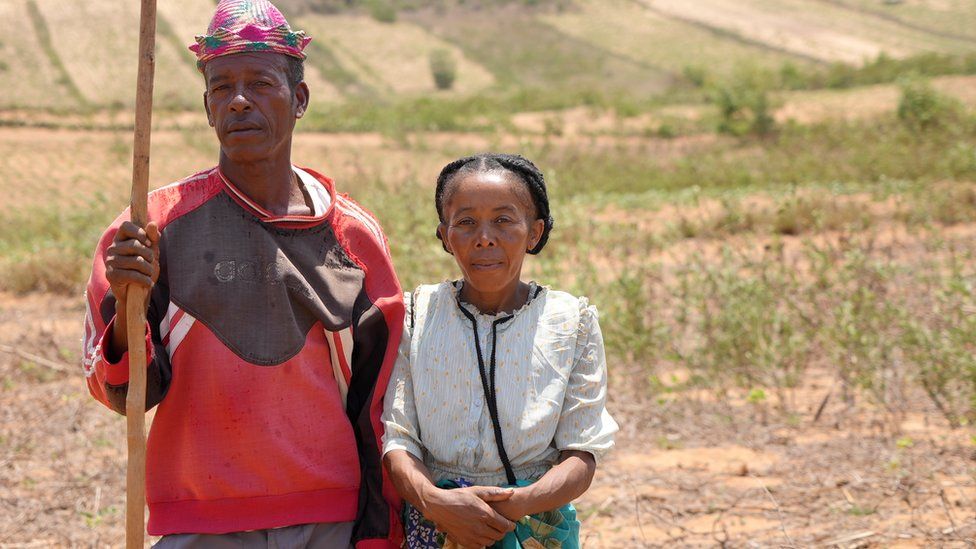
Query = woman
x=499 y=382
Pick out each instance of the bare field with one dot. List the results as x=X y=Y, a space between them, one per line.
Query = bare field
x=628 y=29
x=950 y=17
x=808 y=28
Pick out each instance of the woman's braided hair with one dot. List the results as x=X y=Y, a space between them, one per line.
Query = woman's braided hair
x=522 y=167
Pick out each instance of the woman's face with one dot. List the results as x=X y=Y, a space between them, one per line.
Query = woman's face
x=489 y=224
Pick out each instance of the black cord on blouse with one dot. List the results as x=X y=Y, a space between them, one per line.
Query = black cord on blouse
x=488 y=380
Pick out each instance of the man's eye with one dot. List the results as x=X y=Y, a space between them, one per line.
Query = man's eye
x=504 y=219
x=465 y=221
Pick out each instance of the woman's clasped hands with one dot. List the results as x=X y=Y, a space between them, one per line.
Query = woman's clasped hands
x=468 y=515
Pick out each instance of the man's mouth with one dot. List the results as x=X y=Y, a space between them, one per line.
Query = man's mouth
x=243 y=127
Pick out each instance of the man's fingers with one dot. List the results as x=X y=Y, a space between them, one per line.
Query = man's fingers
x=152 y=231
x=131 y=248
x=122 y=263
x=130 y=231
x=124 y=278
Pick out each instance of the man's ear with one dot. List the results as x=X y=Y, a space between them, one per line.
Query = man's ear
x=206 y=107
x=301 y=99
x=442 y=236
x=535 y=233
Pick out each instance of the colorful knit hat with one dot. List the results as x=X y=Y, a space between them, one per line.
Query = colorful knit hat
x=248 y=25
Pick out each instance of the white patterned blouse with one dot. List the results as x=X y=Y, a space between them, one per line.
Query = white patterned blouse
x=550 y=382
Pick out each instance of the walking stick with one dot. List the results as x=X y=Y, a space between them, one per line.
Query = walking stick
x=135 y=401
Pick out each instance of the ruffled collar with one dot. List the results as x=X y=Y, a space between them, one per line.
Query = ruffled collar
x=535 y=290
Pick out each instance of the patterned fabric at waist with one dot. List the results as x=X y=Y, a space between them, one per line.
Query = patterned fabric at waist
x=530 y=472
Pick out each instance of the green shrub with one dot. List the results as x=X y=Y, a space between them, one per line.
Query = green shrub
x=940 y=339
x=863 y=335
x=743 y=104
x=443 y=67
x=742 y=322
x=695 y=74
x=383 y=11
x=921 y=107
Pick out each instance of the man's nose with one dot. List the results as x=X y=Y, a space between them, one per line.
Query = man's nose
x=240 y=103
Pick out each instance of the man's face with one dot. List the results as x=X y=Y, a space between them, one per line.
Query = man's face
x=251 y=106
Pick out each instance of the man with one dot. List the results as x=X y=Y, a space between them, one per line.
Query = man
x=273 y=322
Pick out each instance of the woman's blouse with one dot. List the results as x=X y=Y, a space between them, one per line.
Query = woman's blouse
x=550 y=382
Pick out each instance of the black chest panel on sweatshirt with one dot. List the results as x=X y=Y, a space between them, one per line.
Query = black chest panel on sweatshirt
x=259 y=288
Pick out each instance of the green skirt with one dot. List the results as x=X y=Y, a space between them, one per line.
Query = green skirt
x=556 y=529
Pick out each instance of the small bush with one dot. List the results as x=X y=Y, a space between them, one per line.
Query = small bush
x=922 y=108
x=695 y=74
x=383 y=11
x=743 y=104
x=443 y=68
x=741 y=329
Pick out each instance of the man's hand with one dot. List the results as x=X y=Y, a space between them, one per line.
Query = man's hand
x=133 y=258
x=465 y=516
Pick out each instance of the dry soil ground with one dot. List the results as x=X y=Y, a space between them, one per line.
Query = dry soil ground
x=689 y=470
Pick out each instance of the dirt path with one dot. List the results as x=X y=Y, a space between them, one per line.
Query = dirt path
x=689 y=470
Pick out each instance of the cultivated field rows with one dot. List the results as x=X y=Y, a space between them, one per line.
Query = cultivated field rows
x=629 y=29
x=640 y=46
x=809 y=28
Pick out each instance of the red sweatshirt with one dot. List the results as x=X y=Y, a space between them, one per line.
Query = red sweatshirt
x=271 y=341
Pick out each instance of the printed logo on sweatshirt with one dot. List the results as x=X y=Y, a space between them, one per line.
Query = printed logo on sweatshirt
x=257 y=272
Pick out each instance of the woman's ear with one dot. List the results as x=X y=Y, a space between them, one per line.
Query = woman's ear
x=442 y=236
x=536 y=229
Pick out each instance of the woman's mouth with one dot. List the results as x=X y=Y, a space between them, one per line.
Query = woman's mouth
x=486 y=265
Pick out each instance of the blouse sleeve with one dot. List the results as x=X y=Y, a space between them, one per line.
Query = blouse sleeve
x=584 y=423
x=401 y=428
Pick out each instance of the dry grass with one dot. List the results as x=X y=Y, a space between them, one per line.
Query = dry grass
x=526 y=53
x=392 y=57
x=26 y=74
x=101 y=57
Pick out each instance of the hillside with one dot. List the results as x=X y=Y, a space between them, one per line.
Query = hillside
x=634 y=48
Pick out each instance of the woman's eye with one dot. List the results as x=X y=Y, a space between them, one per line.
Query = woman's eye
x=504 y=219
x=465 y=221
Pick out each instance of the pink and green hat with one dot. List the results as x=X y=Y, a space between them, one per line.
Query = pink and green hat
x=245 y=26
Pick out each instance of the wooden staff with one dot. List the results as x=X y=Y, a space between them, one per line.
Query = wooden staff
x=135 y=401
